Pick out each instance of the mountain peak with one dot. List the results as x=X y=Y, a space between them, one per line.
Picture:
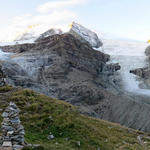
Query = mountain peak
x=83 y=33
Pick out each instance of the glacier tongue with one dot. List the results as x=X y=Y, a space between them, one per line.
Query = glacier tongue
x=86 y=34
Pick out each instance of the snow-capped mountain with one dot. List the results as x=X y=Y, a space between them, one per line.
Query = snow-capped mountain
x=88 y=35
x=79 y=31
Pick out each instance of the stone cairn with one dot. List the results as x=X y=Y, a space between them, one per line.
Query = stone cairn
x=12 y=130
x=2 y=77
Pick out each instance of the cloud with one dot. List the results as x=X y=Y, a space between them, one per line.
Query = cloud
x=37 y=24
x=52 y=18
x=61 y=4
x=60 y=16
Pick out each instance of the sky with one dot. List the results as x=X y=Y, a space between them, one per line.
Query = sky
x=121 y=18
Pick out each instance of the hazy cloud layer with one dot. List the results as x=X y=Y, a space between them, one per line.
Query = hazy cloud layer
x=56 y=14
x=61 y=4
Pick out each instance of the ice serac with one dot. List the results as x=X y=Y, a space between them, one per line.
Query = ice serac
x=85 y=34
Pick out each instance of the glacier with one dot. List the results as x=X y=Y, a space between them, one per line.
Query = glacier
x=130 y=55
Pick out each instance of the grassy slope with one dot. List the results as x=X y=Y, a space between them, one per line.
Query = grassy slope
x=41 y=115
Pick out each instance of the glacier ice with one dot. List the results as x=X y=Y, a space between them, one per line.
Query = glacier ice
x=130 y=55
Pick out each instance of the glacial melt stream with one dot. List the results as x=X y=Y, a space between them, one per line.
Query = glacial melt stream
x=130 y=55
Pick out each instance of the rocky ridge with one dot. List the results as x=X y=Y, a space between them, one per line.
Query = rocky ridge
x=49 y=33
x=61 y=57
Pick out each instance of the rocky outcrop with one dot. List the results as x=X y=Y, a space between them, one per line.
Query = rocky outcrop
x=49 y=33
x=112 y=68
x=147 y=51
x=142 y=72
x=85 y=35
x=12 y=130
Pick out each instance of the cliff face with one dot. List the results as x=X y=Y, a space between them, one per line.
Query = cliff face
x=59 y=66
